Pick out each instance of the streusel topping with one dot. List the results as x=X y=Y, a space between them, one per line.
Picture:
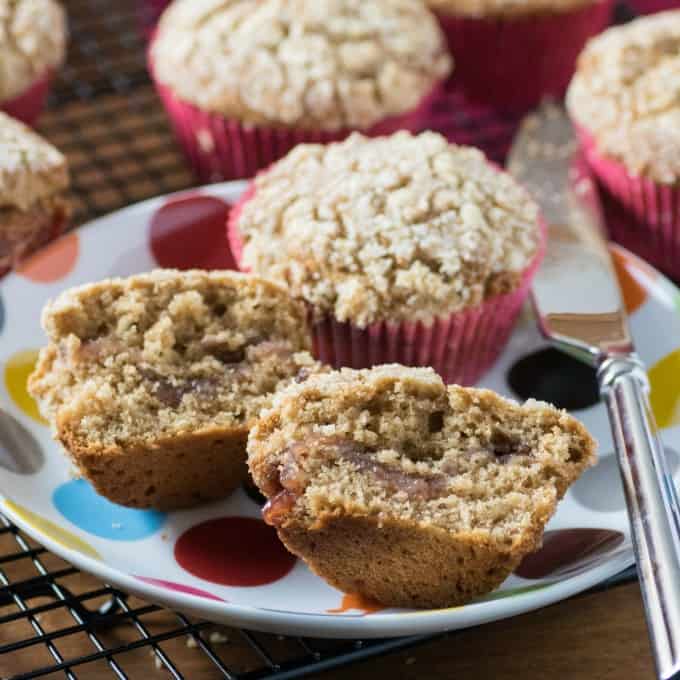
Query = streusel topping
x=626 y=92
x=391 y=228
x=307 y=63
x=32 y=40
x=31 y=169
x=504 y=8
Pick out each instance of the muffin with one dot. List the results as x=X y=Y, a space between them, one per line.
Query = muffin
x=406 y=249
x=33 y=184
x=391 y=485
x=625 y=102
x=243 y=82
x=510 y=54
x=151 y=383
x=33 y=46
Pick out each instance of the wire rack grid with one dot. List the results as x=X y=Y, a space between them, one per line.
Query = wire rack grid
x=54 y=620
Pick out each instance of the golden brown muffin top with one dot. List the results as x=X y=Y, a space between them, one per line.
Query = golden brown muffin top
x=318 y=64
x=392 y=228
x=626 y=93
x=32 y=40
x=31 y=169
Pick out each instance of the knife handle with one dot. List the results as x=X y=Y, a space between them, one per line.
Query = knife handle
x=652 y=504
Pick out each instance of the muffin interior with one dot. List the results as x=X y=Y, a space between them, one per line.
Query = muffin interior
x=167 y=353
x=411 y=450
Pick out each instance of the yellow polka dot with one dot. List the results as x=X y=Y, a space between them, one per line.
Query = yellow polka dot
x=665 y=396
x=52 y=530
x=17 y=370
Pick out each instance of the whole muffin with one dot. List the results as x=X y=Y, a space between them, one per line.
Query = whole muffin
x=391 y=485
x=625 y=101
x=32 y=47
x=151 y=382
x=510 y=54
x=34 y=180
x=243 y=81
x=406 y=249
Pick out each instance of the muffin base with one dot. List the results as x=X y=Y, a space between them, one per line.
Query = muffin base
x=166 y=474
x=221 y=148
x=511 y=64
x=19 y=251
x=27 y=106
x=402 y=565
x=649 y=212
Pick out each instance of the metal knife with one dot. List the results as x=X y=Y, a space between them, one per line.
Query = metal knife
x=579 y=308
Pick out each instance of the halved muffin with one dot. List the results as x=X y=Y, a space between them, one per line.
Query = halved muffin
x=152 y=382
x=391 y=485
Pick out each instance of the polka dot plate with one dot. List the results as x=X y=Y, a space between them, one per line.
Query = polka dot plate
x=220 y=561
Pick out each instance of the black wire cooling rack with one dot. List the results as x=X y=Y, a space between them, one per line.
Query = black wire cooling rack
x=54 y=620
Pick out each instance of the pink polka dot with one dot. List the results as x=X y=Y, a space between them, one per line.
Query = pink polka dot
x=233 y=551
x=190 y=232
x=178 y=587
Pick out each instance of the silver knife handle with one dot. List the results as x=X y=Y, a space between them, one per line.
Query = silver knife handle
x=652 y=504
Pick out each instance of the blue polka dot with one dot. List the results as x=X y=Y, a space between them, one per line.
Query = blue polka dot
x=80 y=504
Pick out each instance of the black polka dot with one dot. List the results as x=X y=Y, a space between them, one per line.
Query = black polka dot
x=553 y=376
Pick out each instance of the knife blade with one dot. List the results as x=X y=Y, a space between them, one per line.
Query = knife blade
x=591 y=319
x=580 y=309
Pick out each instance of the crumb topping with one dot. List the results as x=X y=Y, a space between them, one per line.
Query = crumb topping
x=507 y=8
x=626 y=92
x=31 y=169
x=32 y=40
x=315 y=64
x=401 y=227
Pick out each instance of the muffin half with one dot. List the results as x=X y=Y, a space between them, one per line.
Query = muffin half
x=391 y=485
x=152 y=382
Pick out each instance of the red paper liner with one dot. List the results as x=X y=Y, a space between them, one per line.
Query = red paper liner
x=220 y=148
x=38 y=240
x=644 y=214
x=27 y=106
x=512 y=64
x=460 y=347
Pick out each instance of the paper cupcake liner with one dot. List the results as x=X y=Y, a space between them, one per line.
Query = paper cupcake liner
x=37 y=241
x=512 y=64
x=27 y=106
x=220 y=148
x=647 y=217
x=460 y=347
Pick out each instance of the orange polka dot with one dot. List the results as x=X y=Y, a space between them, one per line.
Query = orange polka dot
x=665 y=395
x=53 y=262
x=634 y=293
x=358 y=602
x=17 y=369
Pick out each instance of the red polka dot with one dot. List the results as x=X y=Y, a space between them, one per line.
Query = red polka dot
x=179 y=587
x=233 y=551
x=190 y=232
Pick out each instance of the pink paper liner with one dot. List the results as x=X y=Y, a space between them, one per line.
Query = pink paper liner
x=58 y=226
x=512 y=64
x=27 y=106
x=647 y=217
x=460 y=347
x=220 y=148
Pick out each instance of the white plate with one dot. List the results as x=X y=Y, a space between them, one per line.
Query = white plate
x=220 y=561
